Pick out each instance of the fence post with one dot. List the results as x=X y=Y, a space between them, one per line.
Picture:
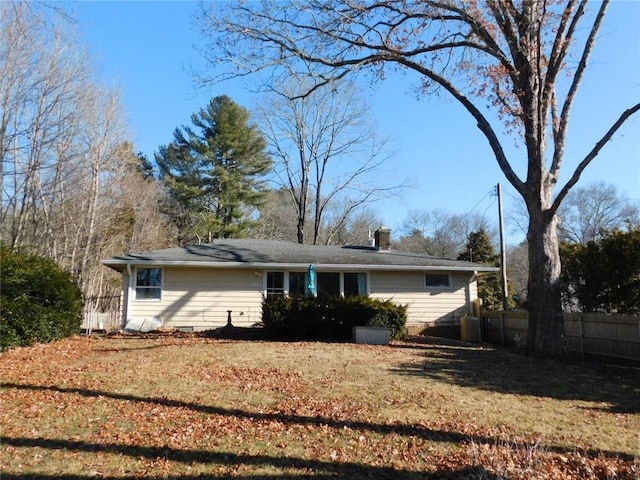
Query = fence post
x=89 y=314
x=502 y=327
x=581 y=339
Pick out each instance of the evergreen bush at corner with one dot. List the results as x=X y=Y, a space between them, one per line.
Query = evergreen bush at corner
x=39 y=302
x=330 y=318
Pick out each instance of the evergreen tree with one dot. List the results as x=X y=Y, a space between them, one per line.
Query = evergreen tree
x=480 y=250
x=144 y=166
x=604 y=274
x=213 y=173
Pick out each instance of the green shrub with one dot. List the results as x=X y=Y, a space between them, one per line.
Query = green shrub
x=330 y=318
x=39 y=302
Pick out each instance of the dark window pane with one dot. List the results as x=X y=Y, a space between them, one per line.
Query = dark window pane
x=148 y=277
x=437 y=280
x=355 y=284
x=328 y=283
x=297 y=283
x=144 y=293
x=148 y=283
x=275 y=283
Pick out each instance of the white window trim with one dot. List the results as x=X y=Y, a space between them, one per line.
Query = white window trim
x=135 y=285
x=340 y=273
x=285 y=284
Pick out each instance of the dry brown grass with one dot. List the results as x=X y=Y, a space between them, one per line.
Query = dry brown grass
x=183 y=406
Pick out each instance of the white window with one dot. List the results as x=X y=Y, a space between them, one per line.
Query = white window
x=327 y=283
x=148 y=283
x=437 y=280
x=275 y=283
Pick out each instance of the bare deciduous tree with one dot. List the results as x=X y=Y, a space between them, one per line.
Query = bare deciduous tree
x=327 y=155
x=71 y=189
x=512 y=56
x=589 y=211
x=277 y=218
x=41 y=84
x=126 y=214
x=440 y=233
x=354 y=228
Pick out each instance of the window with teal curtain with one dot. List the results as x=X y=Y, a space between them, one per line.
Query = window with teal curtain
x=355 y=284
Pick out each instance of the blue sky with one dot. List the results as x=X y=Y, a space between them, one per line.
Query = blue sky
x=146 y=48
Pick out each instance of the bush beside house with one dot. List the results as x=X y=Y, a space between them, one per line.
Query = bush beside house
x=330 y=318
x=39 y=302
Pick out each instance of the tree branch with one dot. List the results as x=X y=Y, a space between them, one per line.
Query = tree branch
x=591 y=155
x=482 y=123
x=560 y=136
x=560 y=44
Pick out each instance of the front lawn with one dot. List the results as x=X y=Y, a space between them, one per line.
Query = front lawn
x=185 y=407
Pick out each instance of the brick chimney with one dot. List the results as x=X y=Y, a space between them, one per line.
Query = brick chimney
x=382 y=239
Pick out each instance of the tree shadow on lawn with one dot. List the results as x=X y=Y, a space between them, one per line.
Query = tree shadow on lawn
x=470 y=473
x=403 y=429
x=506 y=371
x=321 y=469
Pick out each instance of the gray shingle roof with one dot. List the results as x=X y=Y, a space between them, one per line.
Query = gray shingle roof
x=274 y=254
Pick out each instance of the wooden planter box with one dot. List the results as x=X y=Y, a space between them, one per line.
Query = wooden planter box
x=372 y=335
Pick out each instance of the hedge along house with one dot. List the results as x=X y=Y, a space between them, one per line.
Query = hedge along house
x=194 y=288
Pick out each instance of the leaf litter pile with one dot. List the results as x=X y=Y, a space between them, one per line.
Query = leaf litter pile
x=185 y=406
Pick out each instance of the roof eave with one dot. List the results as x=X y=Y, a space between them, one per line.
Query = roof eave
x=119 y=265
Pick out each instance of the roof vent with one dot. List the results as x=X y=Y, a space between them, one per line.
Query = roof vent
x=383 y=239
x=371 y=243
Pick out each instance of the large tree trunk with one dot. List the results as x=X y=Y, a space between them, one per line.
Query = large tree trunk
x=546 y=329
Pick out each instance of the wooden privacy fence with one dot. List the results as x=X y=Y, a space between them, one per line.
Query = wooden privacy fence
x=587 y=333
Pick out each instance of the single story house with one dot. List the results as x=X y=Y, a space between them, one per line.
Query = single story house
x=199 y=287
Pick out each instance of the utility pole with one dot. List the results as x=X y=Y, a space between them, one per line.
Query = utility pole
x=503 y=251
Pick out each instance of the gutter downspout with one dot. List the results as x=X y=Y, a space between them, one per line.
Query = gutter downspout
x=472 y=301
x=476 y=303
x=127 y=307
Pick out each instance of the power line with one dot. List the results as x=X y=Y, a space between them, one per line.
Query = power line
x=492 y=192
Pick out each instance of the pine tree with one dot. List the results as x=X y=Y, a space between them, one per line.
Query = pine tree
x=480 y=250
x=213 y=173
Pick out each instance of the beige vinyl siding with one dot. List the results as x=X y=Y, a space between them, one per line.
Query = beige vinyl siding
x=199 y=298
x=426 y=305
